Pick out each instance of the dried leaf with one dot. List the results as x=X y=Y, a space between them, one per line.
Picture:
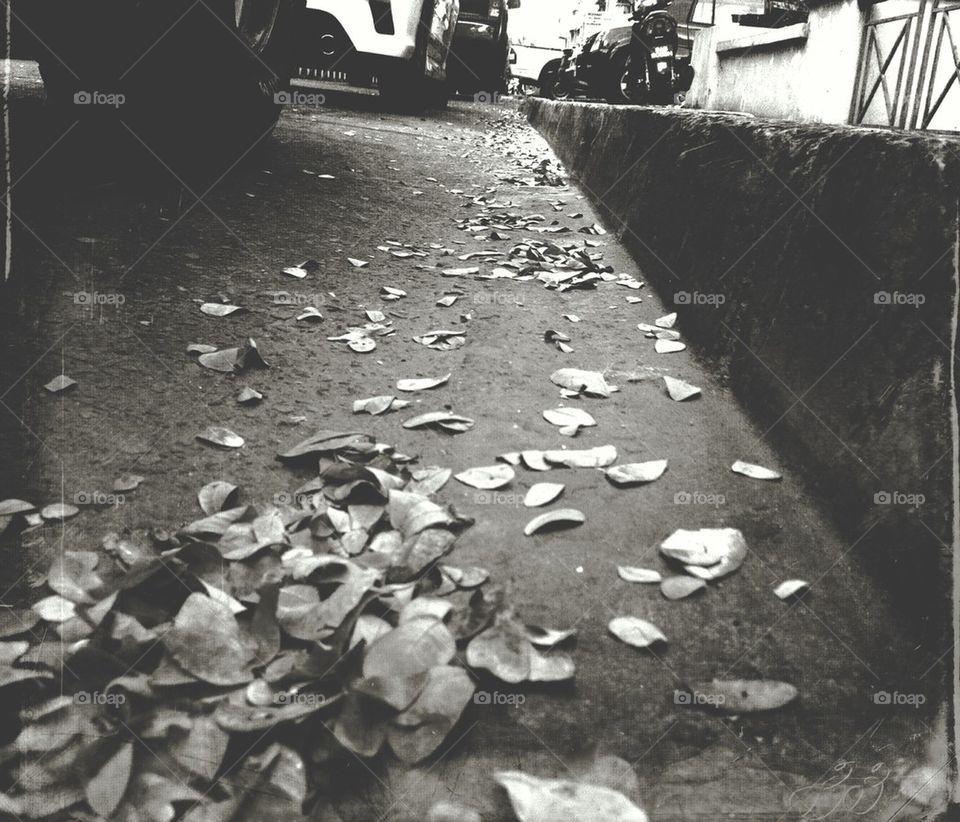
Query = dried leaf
x=452 y=423
x=220 y=309
x=503 y=649
x=591 y=458
x=106 y=788
x=792 y=588
x=639 y=575
x=58 y=384
x=363 y=345
x=590 y=383
x=548 y=637
x=59 y=511
x=55 y=609
x=217 y=495
x=565 y=517
x=704 y=547
x=757 y=472
x=551 y=667
x=569 y=420
x=675 y=588
x=679 y=390
x=220 y=436
x=249 y=396
x=636 y=473
x=421 y=729
x=224 y=361
x=543 y=493
x=560 y=800
x=206 y=641
x=310 y=314
x=9 y=507
x=429 y=480
x=423 y=384
x=487 y=479
x=636 y=632
x=378 y=405
x=734 y=549
x=200 y=348
x=128 y=482
x=742 y=696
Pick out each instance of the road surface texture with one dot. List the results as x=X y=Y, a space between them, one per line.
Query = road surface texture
x=337 y=181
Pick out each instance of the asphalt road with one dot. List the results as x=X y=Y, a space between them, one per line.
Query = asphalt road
x=141 y=399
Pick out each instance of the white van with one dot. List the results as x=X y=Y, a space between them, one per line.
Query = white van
x=404 y=44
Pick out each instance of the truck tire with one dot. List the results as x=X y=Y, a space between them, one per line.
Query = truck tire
x=193 y=85
x=404 y=86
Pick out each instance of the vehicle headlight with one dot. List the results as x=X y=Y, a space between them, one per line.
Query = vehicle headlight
x=659 y=27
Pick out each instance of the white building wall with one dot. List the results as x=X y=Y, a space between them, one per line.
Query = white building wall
x=809 y=80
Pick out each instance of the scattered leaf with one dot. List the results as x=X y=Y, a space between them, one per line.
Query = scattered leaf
x=561 y=800
x=220 y=309
x=543 y=493
x=590 y=383
x=487 y=479
x=636 y=632
x=563 y=517
x=128 y=482
x=423 y=384
x=757 y=472
x=548 y=637
x=743 y=696
x=364 y=345
x=217 y=495
x=248 y=396
x=669 y=347
x=599 y=457
x=205 y=640
x=636 y=473
x=59 y=511
x=502 y=649
x=792 y=588
x=569 y=420
x=679 y=390
x=58 y=384
x=675 y=588
x=222 y=437
x=451 y=423
x=639 y=575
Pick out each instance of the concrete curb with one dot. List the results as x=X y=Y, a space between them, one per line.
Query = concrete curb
x=814 y=267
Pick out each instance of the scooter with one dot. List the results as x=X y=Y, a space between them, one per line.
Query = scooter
x=654 y=74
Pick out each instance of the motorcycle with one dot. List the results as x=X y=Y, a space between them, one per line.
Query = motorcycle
x=653 y=74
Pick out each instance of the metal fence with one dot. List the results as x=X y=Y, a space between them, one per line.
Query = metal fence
x=909 y=73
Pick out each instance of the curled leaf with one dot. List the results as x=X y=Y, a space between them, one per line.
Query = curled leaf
x=563 y=517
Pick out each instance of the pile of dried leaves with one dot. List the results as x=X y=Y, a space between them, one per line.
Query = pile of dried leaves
x=196 y=674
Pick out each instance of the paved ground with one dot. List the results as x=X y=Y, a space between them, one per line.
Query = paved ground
x=141 y=399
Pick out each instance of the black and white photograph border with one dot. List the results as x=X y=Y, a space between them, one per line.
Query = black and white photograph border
x=480 y=410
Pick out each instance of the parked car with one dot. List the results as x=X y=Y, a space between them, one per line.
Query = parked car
x=404 y=44
x=180 y=74
x=480 y=54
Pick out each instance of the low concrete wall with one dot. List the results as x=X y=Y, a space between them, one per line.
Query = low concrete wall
x=815 y=267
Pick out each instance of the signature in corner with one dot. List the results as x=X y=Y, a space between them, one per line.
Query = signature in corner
x=845 y=791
